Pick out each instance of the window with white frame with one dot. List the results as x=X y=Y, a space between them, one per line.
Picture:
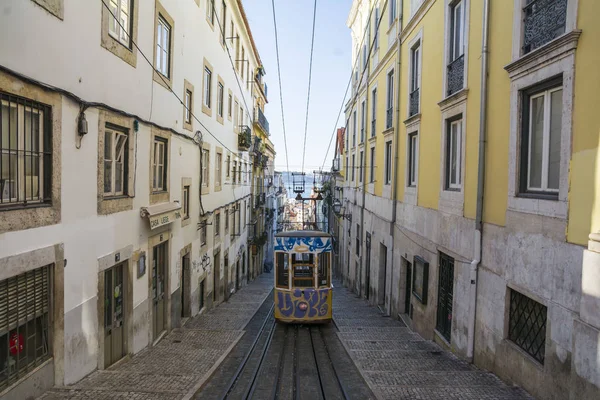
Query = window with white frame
x=188 y=106
x=415 y=79
x=360 y=167
x=203 y=233
x=543 y=21
x=186 y=202
x=228 y=166
x=373 y=112
x=223 y=21
x=226 y=218
x=390 y=100
x=207 y=86
x=413 y=158
x=347 y=176
x=210 y=11
x=229 y=106
x=454 y=141
x=25 y=151
x=159 y=165
x=115 y=161
x=364 y=56
x=363 y=121
x=217 y=227
x=392 y=12
x=234 y=171
x=388 y=163
x=220 y=93
x=372 y=169
x=540 y=139
x=456 y=62
x=119 y=22
x=205 y=167
x=354 y=128
x=353 y=167
x=163 y=43
x=375 y=29
x=218 y=164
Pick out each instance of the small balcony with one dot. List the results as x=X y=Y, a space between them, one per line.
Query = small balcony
x=262 y=121
x=388 y=118
x=543 y=21
x=244 y=138
x=373 y=126
x=456 y=70
x=413 y=106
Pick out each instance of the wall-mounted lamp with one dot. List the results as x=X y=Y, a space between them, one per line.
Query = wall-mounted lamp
x=339 y=210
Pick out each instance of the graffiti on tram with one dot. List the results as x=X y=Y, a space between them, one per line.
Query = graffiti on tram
x=307 y=303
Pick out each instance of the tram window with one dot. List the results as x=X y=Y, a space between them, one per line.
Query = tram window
x=283 y=274
x=303 y=258
x=324 y=268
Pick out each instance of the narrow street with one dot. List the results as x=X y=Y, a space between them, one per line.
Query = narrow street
x=238 y=351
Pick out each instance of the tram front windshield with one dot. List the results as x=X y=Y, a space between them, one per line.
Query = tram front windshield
x=303 y=265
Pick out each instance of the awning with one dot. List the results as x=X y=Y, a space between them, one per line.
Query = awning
x=161 y=214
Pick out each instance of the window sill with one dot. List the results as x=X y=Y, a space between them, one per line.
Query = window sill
x=115 y=204
x=388 y=131
x=554 y=208
x=413 y=119
x=451 y=201
x=373 y=139
x=16 y=207
x=532 y=361
x=453 y=100
x=185 y=221
x=541 y=57
x=159 y=197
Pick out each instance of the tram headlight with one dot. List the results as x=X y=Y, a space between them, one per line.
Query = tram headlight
x=303 y=306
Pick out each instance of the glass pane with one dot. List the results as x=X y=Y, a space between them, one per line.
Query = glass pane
x=112 y=22
x=32 y=130
x=9 y=123
x=554 y=150
x=120 y=148
x=108 y=136
x=457 y=31
x=107 y=176
x=160 y=171
x=125 y=25
x=536 y=140
x=119 y=177
x=453 y=153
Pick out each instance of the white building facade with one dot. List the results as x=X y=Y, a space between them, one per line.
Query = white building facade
x=121 y=210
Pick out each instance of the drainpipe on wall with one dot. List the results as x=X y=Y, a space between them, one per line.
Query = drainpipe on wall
x=396 y=141
x=480 y=183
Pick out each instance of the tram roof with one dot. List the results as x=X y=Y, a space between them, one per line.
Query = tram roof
x=305 y=233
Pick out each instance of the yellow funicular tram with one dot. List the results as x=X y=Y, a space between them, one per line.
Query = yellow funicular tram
x=303 y=289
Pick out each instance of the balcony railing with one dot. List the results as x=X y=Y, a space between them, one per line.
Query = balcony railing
x=362 y=134
x=388 y=118
x=244 y=138
x=456 y=70
x=544 y=20
x=373 y=126
x=262 y=120
x=413 y=106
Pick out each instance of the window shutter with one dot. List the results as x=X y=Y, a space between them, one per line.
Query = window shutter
x=23 y=298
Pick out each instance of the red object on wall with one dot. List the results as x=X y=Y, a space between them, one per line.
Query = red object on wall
x=16 y=344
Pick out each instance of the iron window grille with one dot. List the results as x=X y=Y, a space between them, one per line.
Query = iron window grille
x=388 y=118
x=456 y=71
x=25 y=304
x=543 y=21
x=445 y=296
x=527 y=325
x=25 y=152
x=414 y=103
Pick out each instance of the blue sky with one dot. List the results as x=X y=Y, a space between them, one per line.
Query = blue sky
x=330 y=73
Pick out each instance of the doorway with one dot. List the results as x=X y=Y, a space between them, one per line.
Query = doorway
x=445 y=296
x=226 y=280
x=408 y=287
x=381 y=294
x=114 y=313
x=201 y=296
x=238 y=280
x=185 y=286
x=159 y=267
x=368 y=266
x=216 y=277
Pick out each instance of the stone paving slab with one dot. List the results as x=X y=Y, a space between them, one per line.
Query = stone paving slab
x=399 y=364
x=181 y=361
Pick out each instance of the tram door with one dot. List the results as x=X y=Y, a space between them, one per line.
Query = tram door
x=160 y=258
x=114 y=326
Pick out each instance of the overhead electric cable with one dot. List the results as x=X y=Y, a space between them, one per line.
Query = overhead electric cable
x=312 y=44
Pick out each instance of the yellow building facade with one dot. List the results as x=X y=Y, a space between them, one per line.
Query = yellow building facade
x=477 y=221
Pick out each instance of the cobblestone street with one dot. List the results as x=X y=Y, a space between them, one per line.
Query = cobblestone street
x=181 y=361
x=399 y=364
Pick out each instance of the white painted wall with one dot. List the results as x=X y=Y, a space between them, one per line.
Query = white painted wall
x=67 y=54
